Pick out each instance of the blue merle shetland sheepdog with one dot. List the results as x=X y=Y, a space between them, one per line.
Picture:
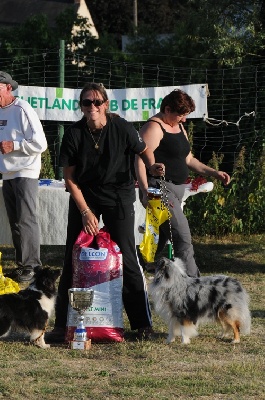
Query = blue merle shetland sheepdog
x=30 y=309
x=184 y=302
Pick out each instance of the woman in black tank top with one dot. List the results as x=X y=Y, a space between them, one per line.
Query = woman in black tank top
x=165 y=135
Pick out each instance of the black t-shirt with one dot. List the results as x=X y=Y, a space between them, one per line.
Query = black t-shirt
x=104 y=174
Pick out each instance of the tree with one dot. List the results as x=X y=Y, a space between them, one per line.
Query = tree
x=35 y=35
x=114 y=17
x=117 y=17
x=201 y=33
x=206 y=32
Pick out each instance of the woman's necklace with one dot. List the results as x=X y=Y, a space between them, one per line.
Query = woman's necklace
x=96 y=142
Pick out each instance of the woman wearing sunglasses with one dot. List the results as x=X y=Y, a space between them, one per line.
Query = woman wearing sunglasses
x=96 y=159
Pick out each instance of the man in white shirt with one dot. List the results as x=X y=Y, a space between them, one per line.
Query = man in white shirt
x=22 y=140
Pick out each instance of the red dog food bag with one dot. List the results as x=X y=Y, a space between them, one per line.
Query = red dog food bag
x=97 y=265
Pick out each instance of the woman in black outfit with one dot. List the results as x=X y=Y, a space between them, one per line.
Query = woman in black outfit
x=165 y=135
x=96 y=159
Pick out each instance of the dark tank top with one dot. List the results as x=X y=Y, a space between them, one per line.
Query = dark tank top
x=172 y=152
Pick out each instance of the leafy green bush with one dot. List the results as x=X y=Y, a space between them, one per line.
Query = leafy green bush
x=47 y=171
x=237 y=208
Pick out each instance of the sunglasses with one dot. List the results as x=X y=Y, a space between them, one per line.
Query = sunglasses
x=96 y=102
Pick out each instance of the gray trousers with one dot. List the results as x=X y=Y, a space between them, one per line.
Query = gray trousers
x=20 y=197
x=182 y=243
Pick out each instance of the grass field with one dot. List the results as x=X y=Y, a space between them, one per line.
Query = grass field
x=208 y=368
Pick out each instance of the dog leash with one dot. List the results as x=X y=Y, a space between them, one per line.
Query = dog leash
x=165 y=200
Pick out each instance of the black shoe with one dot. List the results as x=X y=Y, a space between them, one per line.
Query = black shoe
x=145 y=333
x=22 y=274
x=57 y=335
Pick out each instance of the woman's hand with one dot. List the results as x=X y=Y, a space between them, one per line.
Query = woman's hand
x=223 y=176
x=90 y=223
x=157 y=169
x=144 y=199
x=202 y=169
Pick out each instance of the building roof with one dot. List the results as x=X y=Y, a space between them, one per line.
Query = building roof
x=16 y=12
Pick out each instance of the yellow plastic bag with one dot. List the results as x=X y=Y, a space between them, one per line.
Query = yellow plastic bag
x=156 y=214
x=7 y=285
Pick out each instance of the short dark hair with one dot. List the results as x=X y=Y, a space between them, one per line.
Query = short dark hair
x=93 y=87
x=179 y=102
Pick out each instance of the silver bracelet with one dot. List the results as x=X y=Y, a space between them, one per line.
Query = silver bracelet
x=84 y=212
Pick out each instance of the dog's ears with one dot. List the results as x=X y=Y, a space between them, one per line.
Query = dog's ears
x=55 y=273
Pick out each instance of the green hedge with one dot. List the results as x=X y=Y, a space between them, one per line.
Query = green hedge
x=237 y=208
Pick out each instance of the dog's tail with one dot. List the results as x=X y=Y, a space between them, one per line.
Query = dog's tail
x=238 y=309
x=237 y=302
x=245 y=315
x=245 y=325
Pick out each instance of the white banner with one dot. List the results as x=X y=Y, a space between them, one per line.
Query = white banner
x=135 y=104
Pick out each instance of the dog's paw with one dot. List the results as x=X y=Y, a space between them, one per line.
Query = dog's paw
x=235 y=341
x=223 y=335
x=40 y=343
x=185 y=340
x=43 y=345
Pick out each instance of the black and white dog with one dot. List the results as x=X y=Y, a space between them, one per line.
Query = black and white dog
x=184 y=302
x=29 y=309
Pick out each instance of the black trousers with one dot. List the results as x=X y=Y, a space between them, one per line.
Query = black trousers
x=119 y=220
